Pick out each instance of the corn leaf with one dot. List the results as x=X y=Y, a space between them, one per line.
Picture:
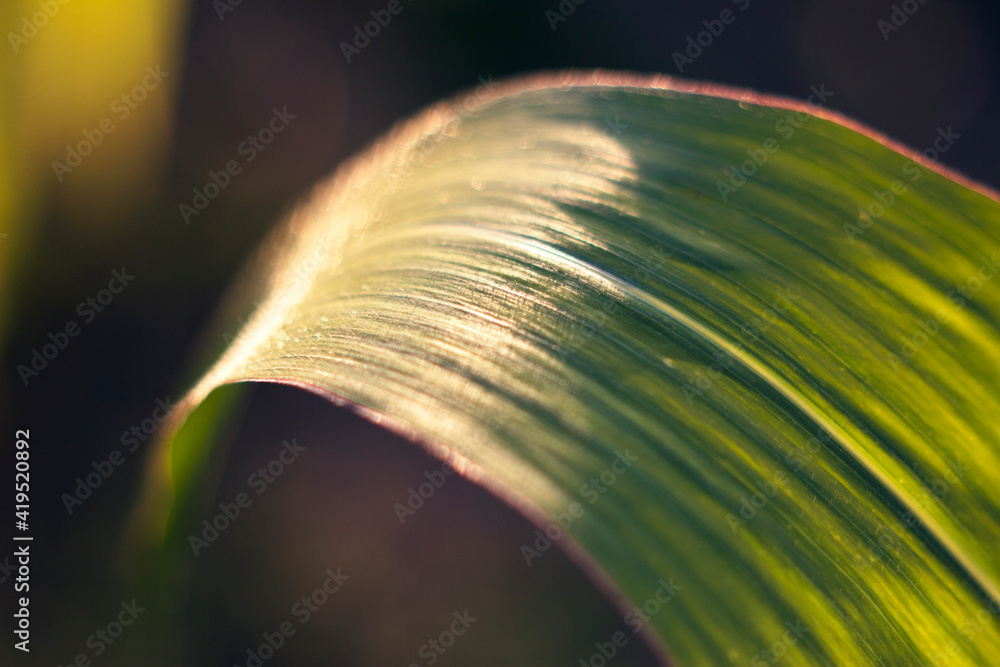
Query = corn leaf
x=738 y=355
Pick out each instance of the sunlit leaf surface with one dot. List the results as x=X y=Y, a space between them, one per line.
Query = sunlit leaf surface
x=751 y=354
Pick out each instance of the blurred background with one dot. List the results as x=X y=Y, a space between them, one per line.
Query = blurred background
x=115 y=116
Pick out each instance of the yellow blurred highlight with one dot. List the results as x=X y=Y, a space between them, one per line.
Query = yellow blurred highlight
x=86 y=56
x=63 y=63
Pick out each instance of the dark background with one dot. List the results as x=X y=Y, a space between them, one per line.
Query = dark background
x=334 y=508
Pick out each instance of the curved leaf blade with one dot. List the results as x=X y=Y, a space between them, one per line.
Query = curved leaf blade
x=546 y=300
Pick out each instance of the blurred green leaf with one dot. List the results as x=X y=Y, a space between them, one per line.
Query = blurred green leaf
x=674 y=316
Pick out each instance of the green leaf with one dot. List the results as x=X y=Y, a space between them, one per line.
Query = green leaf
x=746 y=347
